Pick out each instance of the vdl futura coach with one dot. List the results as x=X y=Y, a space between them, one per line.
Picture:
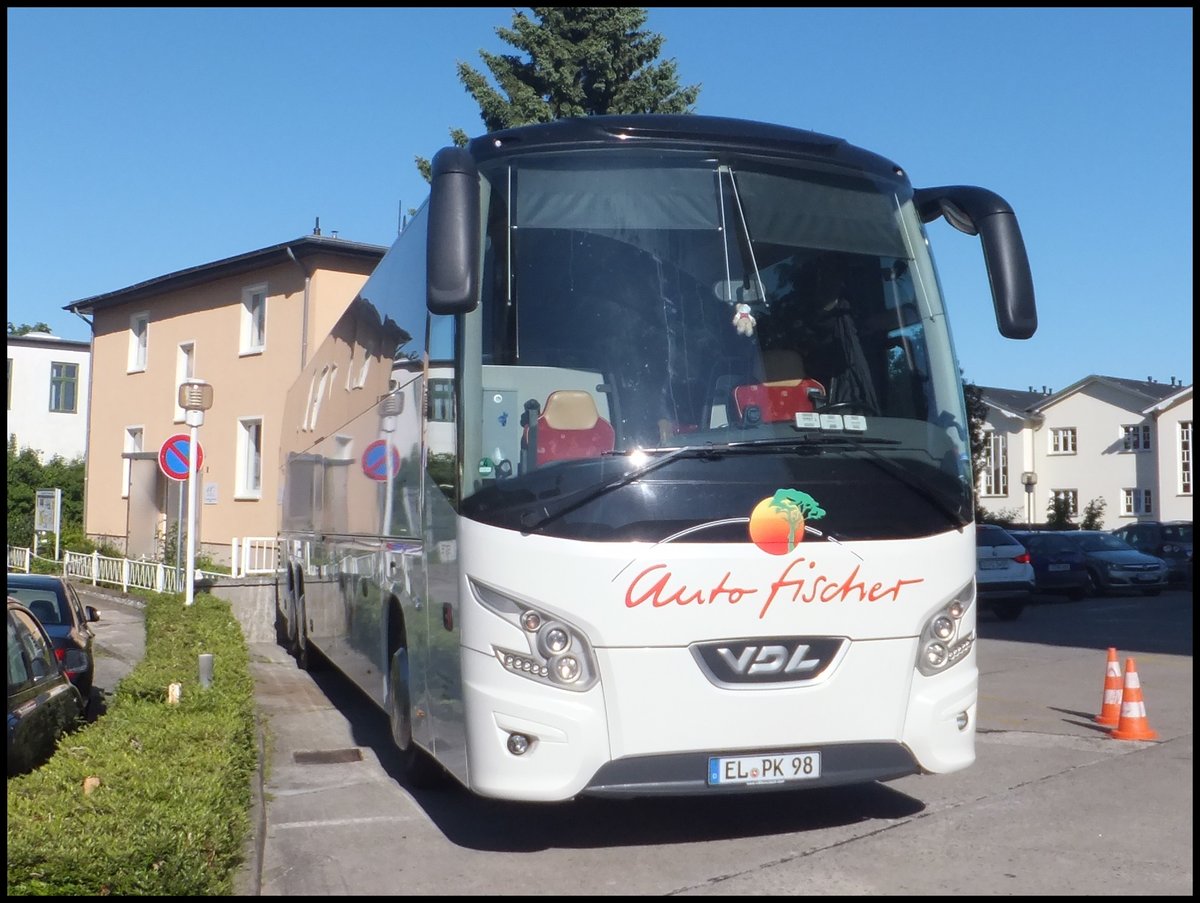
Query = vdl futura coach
x=640 y=465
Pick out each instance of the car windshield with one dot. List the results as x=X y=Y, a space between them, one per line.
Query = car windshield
x=1103 y=542
x=986 y=535
x=1177 y=532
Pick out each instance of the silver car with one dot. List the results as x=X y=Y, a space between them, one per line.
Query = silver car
x=1004 y=578
x=1114 y=564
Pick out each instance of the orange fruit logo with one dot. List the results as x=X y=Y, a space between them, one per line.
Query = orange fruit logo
x=777 y=523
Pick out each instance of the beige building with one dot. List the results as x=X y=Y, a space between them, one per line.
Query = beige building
x=248 y=325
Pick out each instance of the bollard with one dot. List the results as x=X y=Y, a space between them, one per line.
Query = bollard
x=206 y=670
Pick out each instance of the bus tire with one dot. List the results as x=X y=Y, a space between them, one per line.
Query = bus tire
x=419 y=769
x=306 y=656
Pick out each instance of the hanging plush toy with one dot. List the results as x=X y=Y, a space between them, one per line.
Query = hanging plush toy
x=743 y=321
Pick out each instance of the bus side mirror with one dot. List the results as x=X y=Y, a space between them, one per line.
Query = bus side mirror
x=977 y=211
x=452 y=252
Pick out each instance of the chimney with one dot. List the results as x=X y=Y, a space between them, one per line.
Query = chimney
x=317 y=227
x=1045 y=391
x=1031 y=388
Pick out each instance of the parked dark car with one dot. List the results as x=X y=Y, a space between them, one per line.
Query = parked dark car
x=43 y=704
x=1114 y=564
x=1059 y=565
x=67 y=620
x=1004 y=578
x=1169 y=540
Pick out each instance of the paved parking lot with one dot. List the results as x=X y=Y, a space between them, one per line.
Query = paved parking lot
x=1053 y=804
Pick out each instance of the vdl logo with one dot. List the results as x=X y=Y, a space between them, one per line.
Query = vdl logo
x=774 y=660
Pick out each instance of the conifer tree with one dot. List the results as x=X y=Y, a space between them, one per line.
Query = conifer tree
x=574 y=61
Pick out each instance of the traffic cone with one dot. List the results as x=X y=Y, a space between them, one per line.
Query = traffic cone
x=1110 y=705
x=1133 y=724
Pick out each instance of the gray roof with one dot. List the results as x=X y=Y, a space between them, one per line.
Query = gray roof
x=305 y=246
x=1022 y=402
x=1011 y=399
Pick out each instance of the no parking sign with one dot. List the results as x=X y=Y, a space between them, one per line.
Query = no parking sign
x=173 y=457
x=375 y=460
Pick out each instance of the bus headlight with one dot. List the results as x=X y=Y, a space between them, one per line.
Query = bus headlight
x=558 y=653
x=947 y=636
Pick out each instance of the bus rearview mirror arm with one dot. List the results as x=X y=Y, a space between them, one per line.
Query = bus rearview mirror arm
x=977 y=211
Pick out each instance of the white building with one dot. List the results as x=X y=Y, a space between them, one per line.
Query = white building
x=48 y=394
x=1125 y=442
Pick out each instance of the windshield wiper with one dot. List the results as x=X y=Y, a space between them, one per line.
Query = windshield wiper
x=685 y=451
x=805 y=442
x=864 y=443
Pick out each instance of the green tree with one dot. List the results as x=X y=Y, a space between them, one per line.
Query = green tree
x=1058 y=513
x=26 y=475
x=26 y=328
x=977 y=429
x=1093 y=515
x=578 y=61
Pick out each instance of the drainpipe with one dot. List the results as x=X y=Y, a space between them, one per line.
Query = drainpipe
x=87 y=430
x=304 y=320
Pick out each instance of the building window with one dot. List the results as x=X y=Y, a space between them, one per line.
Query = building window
x=133 y=443
x=1185 y=457
x=185 y=368
x=1136 y=501
x=249 y=458
x=10 y=383
x=1062 y=441
x=254 y=319
x=356 y=374
x=139 y=341
x=995 y=467
x=1136 y=437
x=1070 y=496
x=64 y=380
x=441 y=400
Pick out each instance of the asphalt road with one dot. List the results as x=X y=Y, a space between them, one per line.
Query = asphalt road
x=1053 y=804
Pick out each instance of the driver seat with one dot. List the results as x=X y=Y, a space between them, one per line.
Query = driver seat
x=784 y=391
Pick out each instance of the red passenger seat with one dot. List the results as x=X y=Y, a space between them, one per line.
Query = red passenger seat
x=569 y=427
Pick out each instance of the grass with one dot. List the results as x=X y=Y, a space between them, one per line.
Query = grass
x=170 y=813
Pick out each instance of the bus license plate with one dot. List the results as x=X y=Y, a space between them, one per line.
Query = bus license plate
x=767 y=768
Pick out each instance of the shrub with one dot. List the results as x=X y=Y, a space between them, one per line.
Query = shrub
x=171 y=813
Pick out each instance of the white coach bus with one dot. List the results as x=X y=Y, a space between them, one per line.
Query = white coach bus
x=640 y=465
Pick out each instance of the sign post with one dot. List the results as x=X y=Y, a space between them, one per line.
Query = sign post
x=175 y=460
x=1029 y=478
x=195 y=397
x=48 y=515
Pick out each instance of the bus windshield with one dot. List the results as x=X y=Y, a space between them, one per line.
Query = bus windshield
x=636 y=302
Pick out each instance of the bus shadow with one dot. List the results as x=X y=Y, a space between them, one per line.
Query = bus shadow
x=586 y=823
x=479 y=823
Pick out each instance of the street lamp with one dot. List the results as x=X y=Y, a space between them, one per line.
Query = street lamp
x=195 y=397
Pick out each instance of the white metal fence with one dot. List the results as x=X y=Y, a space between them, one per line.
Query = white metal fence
x=18 y=559
x=251 y=556
x=255 y=555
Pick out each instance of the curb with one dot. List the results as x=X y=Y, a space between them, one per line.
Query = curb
x=248 y=880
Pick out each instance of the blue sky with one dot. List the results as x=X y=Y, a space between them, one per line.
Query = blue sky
x=141 y=142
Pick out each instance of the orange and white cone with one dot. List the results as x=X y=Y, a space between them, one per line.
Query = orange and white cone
x=1110 y=705
x=1133 y=724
